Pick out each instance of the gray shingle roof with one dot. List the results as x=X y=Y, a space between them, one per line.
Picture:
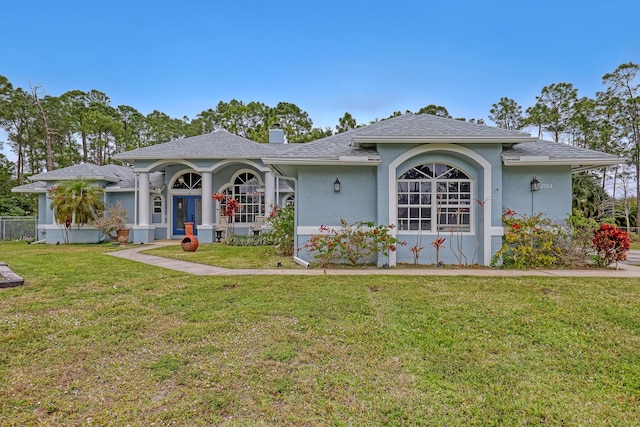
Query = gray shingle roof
x=32 y=187
x=333 y=147
x=112 y=173
x=549 y=152
x=427 y=125
x=408 y=125
x=156 y=180
x=117 y=176
x=216 y=145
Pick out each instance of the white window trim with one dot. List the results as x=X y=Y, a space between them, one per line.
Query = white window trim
x=231 y=183
x=488 y=230
x=162 y=206
x=434 y=206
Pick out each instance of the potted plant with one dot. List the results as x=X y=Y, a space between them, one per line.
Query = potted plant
x=113 y=223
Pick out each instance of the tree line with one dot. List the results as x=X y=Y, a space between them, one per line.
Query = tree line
x=608 y=122
x=48 y=132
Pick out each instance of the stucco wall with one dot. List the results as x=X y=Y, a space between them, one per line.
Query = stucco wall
x=319 y=204
x=370 y=199
x=127 y=199
x=472 y=159
x=553 y=199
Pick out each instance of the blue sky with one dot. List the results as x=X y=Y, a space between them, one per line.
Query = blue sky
x=369 y=58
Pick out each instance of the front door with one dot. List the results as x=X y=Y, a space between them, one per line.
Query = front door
x=186 y=209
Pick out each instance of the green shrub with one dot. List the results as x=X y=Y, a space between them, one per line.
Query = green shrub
x=530 y=241
x=578 y=250
x=282 y=221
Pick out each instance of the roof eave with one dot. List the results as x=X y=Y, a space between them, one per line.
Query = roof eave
x=183 y=157
x=42 y=177
x=577 y=164
x=29 y=190
x=320 y=162
x=361 y=140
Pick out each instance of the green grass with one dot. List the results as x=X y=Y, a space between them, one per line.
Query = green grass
x=237 y=257
x=635 y=245
x=93 y=339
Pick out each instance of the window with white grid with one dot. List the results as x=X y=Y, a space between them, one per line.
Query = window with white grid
x=434 y=197
x=246 y=189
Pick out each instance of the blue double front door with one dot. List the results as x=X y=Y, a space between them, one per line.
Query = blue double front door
x=186 y=209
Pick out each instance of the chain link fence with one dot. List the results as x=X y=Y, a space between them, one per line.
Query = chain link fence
x=18 y=227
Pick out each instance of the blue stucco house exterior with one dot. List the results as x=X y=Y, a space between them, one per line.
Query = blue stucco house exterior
x=428 y=176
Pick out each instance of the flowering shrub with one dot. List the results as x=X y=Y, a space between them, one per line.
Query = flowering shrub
x=611 y=244
x=228 y=207
x=281 y=221
x=530 y=241
x=353 y=243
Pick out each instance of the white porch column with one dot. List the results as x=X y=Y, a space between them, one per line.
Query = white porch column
x=143 y=198
x=269 y=192
x=207 y=201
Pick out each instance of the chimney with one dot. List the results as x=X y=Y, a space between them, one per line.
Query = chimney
x=276 y=135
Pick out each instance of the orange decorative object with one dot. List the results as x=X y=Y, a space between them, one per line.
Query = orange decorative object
x=189 y=242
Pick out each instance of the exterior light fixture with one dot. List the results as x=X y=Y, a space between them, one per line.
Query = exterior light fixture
x=336 y=185
x=535 y=184
x=181 y=180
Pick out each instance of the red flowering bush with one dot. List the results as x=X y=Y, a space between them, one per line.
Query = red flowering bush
x=611 y=244
x=353 y=243
x=228 y=205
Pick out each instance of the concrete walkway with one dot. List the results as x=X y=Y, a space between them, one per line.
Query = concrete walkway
x=134 y=254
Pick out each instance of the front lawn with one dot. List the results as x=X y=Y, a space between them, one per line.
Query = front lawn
x=235 y=257
x=97 y=340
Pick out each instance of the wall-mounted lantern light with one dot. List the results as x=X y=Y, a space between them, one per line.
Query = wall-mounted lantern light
x=535 y=184
x=336 y=185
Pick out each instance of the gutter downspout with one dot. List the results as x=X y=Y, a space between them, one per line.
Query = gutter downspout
x=296 y=259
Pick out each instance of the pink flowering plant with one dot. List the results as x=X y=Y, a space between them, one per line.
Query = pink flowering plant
x=355 y=243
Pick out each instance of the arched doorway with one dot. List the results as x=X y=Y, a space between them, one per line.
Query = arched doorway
x=186 y=202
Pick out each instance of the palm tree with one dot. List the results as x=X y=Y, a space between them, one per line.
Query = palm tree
x=76 y=201
x=588 y=196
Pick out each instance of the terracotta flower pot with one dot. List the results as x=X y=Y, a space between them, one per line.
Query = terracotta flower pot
x=123 y=237
x=189 y=242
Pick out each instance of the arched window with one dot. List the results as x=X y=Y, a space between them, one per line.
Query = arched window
x=188 y=181
x=434 y=197
x=247 y=190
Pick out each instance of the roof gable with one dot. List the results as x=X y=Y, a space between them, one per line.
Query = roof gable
x=215 y=145
x=109 y=173
x=422 y=128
